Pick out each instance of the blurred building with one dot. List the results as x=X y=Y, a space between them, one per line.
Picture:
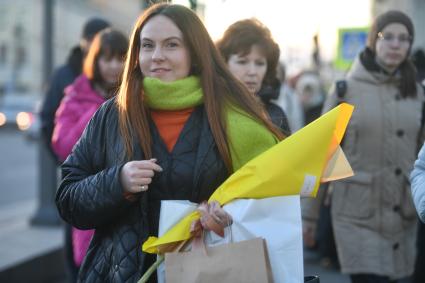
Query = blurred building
x=21 y=35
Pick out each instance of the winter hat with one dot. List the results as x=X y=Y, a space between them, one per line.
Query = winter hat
x=385 y=19
x=92 y=27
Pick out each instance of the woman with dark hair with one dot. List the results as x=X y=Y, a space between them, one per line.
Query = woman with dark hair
x=179 y=126
x=252 y=56
x=373 y=216
x=102 y=69
x=100 y=80
x=64 y=76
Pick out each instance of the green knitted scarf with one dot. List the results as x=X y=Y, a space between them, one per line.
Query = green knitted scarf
x=247 y=137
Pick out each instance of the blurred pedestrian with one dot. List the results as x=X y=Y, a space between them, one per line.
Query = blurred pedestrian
x=64 y=76
x=179 y=126
x=317 y=220
x=289 y=101
x=61 y=78
x=252 y=56
x=99 y=81
x=309 y=89
x=373 y=216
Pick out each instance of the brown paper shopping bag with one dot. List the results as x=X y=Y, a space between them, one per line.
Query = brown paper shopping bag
x=241 y=262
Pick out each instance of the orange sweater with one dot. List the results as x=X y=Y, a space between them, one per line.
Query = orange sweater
x=170 y=124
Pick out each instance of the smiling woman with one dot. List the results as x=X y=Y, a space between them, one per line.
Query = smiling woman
x=180 y=125
x=163 y=53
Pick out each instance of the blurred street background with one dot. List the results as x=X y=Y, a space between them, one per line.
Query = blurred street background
x=36 y=36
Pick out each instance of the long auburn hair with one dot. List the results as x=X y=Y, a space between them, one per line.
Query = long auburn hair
x=219 y=87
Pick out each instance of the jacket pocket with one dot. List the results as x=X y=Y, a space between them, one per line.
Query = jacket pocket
x=407 y=209
x=353 y=197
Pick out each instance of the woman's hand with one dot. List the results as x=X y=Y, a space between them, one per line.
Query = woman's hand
x=213 y=217
x=137 y=175
x=216 y=212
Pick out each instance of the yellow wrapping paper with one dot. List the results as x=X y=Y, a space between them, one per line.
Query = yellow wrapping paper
x=294 y=166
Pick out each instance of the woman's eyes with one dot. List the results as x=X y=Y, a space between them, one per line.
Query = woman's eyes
x=147 y=45
x=245 y=61
x=171 y=44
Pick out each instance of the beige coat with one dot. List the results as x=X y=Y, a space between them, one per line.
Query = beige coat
x=373 y=215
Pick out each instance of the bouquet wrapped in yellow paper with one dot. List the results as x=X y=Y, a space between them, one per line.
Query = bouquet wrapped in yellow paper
x=295 y=166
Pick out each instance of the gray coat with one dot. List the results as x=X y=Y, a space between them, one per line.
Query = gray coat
x=373 y=215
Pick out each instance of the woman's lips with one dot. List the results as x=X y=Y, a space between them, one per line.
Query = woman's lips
x=251 y=84
x=394 y=56
x=159 y=71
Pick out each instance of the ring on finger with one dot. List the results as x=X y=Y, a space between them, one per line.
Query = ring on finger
x=143 y=187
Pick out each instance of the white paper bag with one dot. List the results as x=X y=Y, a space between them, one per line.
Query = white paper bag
x=277 y=220
x=172 y=211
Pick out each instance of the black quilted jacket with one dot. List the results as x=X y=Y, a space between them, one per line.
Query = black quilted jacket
x=276 y=113
x=91 y=196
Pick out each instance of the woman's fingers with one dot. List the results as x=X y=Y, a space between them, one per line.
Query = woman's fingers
x=142 y=181
x=147 y=165
x=212 y=213
x=142 y=173
x=219 y=214
x=137 y=175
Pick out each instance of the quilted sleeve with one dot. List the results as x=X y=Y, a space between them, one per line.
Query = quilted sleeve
x=91 y=195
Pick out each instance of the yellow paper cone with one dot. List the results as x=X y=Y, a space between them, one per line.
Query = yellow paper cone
x=294 y=166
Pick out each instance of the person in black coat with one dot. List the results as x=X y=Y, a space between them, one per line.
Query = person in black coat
x=64 y=76
x=252 y=56
x=134 y=153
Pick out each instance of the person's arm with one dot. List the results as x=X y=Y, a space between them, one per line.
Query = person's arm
x=91 y=195
x=417 y=178
x=286 y=129
x=69 y=126
x=60 y=79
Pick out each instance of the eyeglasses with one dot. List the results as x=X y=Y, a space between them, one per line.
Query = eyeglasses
x=389 y=38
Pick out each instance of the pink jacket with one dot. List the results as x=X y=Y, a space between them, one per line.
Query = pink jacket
x=77 y=107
